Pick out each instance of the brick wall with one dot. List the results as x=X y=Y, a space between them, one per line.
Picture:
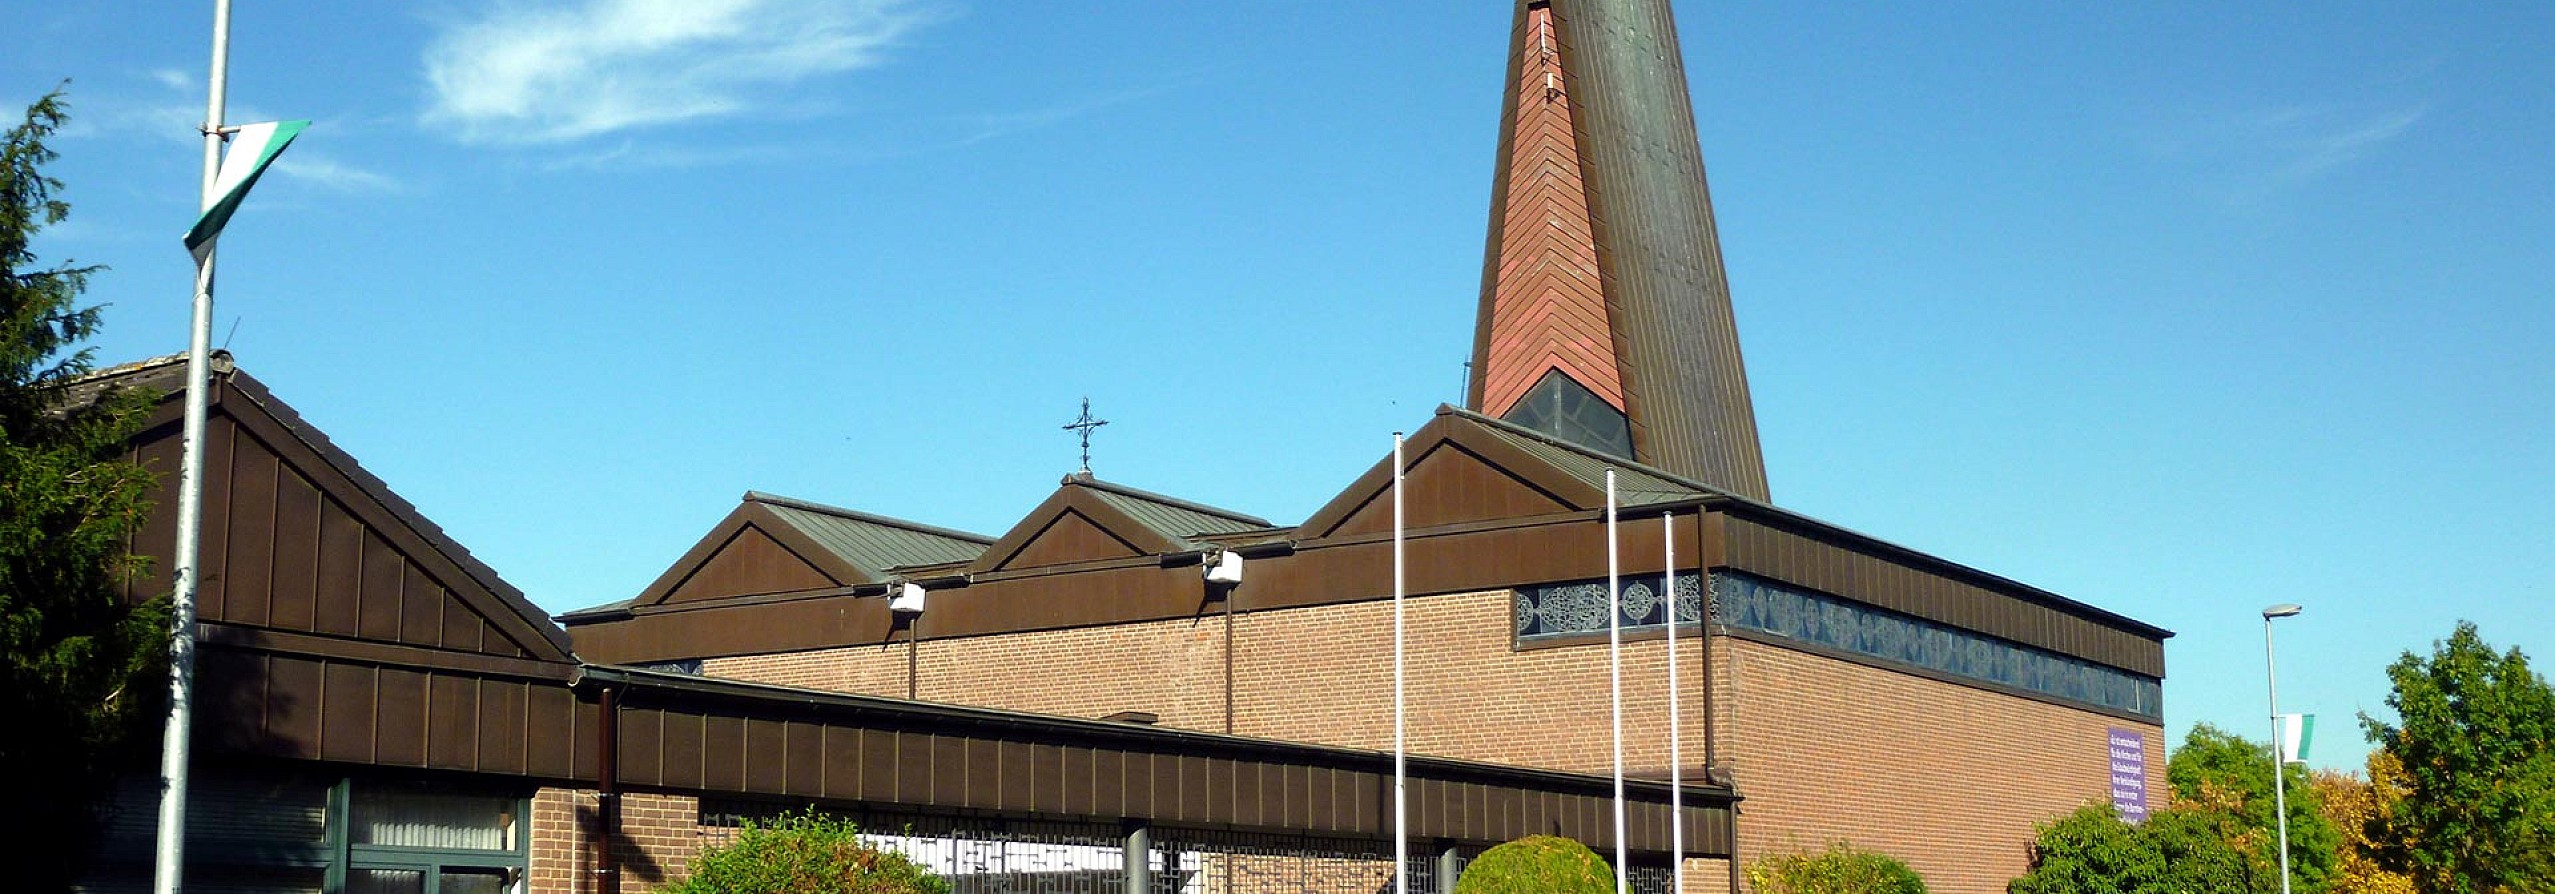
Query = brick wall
x=1325 y=674
x=659 y=835
x=1174 y=669
x=1948 y=777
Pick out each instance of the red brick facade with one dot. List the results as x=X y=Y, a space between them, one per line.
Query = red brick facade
x=659 y=835
x=1949 y=777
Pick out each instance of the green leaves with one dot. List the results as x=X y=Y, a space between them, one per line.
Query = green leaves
x=2224 y=781
x=805 y=853
x=2477 y=746
x=1838 y=870
x=2176 y=851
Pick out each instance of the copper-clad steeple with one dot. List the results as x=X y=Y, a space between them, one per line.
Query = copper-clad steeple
x=1605 y=318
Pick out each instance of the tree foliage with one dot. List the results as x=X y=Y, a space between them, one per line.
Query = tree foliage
x=2225 y=780
x=2216 y=833
x=804 y=853
x=2353 y=804
x=2476 y=741
x=2176 y=851
x=76 y=660
x=1840 y=869
x=1537 y=864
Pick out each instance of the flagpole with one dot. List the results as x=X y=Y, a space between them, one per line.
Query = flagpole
x=1614 y=675
x=168 y=865
x=1401 y=780
x=1676 y=737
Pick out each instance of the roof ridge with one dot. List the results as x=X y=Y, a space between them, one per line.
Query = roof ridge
x=756 y=496
x=1088 y=480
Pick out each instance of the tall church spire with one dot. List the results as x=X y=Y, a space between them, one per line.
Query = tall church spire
x=1605 y=319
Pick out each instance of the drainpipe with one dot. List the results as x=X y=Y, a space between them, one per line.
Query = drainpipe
x=607 y=791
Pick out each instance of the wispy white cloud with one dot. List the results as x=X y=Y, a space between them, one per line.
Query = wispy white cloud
x=173 y=79
x=986 y=127
x=2324 y=150
x=327 y=172
x=547 y=74
x=2248 y=156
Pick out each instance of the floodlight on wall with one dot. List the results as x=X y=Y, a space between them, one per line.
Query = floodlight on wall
x=1223 y=566
x=905 y=600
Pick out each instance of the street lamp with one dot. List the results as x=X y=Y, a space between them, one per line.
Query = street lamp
x=2279 y=768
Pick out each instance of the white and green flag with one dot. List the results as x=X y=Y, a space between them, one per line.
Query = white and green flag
x=2297 y=735
x=252 y=149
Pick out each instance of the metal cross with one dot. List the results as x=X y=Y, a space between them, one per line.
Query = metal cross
x=1084 y=425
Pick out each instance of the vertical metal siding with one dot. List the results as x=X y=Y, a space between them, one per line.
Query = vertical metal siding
x=1837 y=569
x=1658 y=251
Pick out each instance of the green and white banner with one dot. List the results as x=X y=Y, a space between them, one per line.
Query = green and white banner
x=2297 y=735
x=253 y=147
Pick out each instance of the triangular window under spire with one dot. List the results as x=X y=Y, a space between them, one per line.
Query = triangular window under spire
x=1561 y=407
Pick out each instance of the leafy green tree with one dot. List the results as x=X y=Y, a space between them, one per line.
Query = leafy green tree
x=1537 y=864
x=2476 y=743
x=2226 y=780
x=1838 y=870
x=804 y=853
x=78 y=663
x=2176 y=851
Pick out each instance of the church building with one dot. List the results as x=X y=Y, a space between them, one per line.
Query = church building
x=1838 y=686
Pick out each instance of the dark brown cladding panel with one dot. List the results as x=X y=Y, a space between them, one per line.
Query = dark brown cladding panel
x=752 y=561
x=1686 y=388
x=311 y=707
x=292 y=543
x=1810 y=561
x=1559 y=547
x=665 y=748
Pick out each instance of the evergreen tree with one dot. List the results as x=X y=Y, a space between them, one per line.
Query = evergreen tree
x=78 y=663
x=2477 y=746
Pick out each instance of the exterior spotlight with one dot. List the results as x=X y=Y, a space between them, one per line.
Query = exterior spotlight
x=1223 y=566
x=905 y=600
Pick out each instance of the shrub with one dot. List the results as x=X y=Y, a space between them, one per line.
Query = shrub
x=1538 y=864
x=1838 y=870
x=805 y=853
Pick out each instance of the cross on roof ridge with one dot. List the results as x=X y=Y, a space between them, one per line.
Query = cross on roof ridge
x=1083 y=425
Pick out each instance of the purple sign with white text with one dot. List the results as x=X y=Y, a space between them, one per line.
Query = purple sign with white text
x=2128 y=749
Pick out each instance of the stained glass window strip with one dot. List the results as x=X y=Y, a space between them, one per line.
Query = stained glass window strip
x=1577 y=609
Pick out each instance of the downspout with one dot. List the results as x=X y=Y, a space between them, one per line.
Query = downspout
x=1709 y=610
x=1228 y=664
x=607 y=791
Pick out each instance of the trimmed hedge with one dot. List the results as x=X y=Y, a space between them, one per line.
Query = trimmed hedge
x=1539 y=864
x=804 y=853
x=1838 y=870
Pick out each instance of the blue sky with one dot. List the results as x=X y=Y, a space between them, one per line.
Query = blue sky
x=2179 y=309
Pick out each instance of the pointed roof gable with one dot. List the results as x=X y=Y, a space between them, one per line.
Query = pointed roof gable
x=1087 y=519
x=363 y=562
x=773 y=544
x=1605 y=313
x=1467 y=467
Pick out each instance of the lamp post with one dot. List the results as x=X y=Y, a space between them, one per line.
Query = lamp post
x=2279 y=768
